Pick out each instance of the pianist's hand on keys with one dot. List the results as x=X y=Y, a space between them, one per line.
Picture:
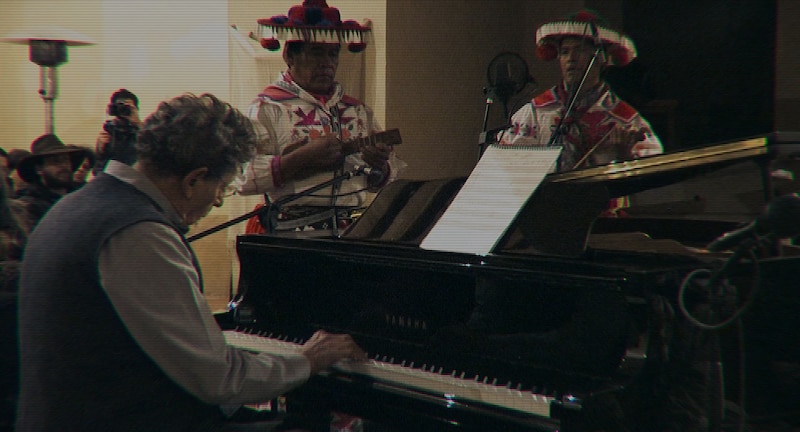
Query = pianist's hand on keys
x=449 y=386
x=324 y=349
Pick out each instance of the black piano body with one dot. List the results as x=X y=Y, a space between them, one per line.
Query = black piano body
x=553 y=326
x=546 y=315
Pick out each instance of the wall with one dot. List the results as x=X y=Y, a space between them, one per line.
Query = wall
x=154 y=48
x=787 y=84
x=21 y=108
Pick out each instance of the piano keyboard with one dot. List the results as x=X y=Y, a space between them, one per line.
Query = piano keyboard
x=450 y=387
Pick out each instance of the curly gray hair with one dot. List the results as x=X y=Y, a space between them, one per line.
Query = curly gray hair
x=189 y=132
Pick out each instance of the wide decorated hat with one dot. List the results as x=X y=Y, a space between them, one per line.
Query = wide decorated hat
x=313 y=21
x=619 y=48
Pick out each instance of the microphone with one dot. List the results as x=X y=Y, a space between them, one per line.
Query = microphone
x=374 y=176
x=780 y=219
x=504 y=83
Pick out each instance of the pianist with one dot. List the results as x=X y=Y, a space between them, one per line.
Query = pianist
x=601 y=127
x=305 y=116
x=114 y=331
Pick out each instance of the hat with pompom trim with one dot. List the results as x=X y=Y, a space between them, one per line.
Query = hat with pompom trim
x=313 y=21
x=619 y=48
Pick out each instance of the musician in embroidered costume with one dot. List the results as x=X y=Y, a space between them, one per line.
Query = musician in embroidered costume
x=601 y=127
x=305 y=120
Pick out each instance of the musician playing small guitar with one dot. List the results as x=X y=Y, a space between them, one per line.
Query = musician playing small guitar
x=305 y=122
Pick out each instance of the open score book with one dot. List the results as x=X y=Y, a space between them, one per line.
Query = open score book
x=496 y=190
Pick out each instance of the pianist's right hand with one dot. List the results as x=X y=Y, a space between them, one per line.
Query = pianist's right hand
x=325 y=349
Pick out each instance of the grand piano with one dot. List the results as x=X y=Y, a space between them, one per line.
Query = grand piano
x=569 y=324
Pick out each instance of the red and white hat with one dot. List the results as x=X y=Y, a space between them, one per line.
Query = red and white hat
x=620 y=48
x=313 y=21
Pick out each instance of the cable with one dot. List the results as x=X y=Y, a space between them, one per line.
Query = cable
x=718 y=326
x=734 y=318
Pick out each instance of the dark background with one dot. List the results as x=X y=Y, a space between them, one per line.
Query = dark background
x=705 y=71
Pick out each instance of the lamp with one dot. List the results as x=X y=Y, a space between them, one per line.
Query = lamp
x=48 y=49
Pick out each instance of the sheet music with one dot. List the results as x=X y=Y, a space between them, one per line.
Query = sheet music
x=495 y=191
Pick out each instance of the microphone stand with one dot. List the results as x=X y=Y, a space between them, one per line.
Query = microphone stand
x=274 y=208
x=487 y=137
x=483 y=137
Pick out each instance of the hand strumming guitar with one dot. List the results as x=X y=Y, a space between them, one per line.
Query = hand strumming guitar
x=311 y=156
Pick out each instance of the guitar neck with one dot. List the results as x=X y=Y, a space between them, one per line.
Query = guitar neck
x=355 y=145
x=390 y=137
x=370 y=140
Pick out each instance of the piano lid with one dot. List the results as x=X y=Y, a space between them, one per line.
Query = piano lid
x=559 y=215
x=639 y=174
x=670 y=167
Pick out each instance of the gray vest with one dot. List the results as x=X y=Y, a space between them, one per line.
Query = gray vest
x=79 y=367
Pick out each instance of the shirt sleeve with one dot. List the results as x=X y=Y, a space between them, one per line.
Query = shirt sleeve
x=523 y=130
x=259 y=174
x=147 y=272
x=257 y=177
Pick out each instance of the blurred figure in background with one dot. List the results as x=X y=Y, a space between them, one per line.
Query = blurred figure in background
x=117 y=140
x=48 y=172
x=12 y=244
x=4 y=164
x=15 y=156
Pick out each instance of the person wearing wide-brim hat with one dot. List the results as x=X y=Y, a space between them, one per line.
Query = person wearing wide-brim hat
x=601 y=127
x=49 y=147
x=48 y=172
x=304 y=118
